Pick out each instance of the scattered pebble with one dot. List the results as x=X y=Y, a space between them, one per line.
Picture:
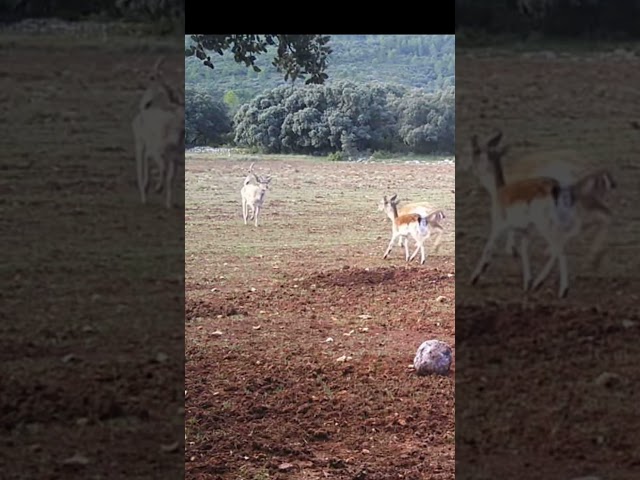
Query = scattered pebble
x=607 y=379
x=172 y=447
x=162 y=357
x=77 y=459
x=69 y=358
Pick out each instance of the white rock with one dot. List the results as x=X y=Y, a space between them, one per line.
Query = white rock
x=433 y=357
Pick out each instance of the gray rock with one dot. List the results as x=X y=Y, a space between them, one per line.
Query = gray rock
x=433 y=357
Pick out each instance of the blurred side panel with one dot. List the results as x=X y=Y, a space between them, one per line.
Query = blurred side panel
x=545 y=385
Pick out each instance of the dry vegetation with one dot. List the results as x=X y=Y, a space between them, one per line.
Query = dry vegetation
x=530 y=404
x=266 y=396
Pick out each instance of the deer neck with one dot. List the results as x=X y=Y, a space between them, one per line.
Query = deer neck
x=495 y=183
x=394 y=211
x=498 y=173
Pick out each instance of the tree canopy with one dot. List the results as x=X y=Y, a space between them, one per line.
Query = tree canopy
x=206 y=119
x=296 y=55
x=348 y=118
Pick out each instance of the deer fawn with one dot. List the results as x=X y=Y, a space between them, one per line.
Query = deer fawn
x=543 y=202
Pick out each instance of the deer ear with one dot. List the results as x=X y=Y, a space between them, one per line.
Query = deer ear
x=393 y=197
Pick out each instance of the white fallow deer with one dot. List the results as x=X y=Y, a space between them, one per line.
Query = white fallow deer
x=543 y=202
x=412 y=225
x=158 y=130
x=159 y=135
x=253 y=195
x=563 y=165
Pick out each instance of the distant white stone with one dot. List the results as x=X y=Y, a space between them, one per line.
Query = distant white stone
x=211 y=151
x=433 y=357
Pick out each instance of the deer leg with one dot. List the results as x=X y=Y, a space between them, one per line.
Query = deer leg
x=161 y=175
x=564 y=275
x=142 y=163
x=420 y=249
x=597 y=250
x=557 y=254
x=386 y=253
x=510 y=247
x=436 y=243
x=555 y=246
x=545 y=271
x=245 y=210
x=169 y=179
x=413 y=255
x=406 y=249
x=524 y=257
x=487 y=253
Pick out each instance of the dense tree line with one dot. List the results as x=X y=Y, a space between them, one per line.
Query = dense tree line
x=597 y=18
x=411 y=110
x=349 y=118
x=207 y=120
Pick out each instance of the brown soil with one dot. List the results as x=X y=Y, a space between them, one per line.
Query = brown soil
x=267 y=396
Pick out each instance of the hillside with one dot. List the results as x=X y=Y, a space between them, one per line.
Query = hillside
x=423 y=61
